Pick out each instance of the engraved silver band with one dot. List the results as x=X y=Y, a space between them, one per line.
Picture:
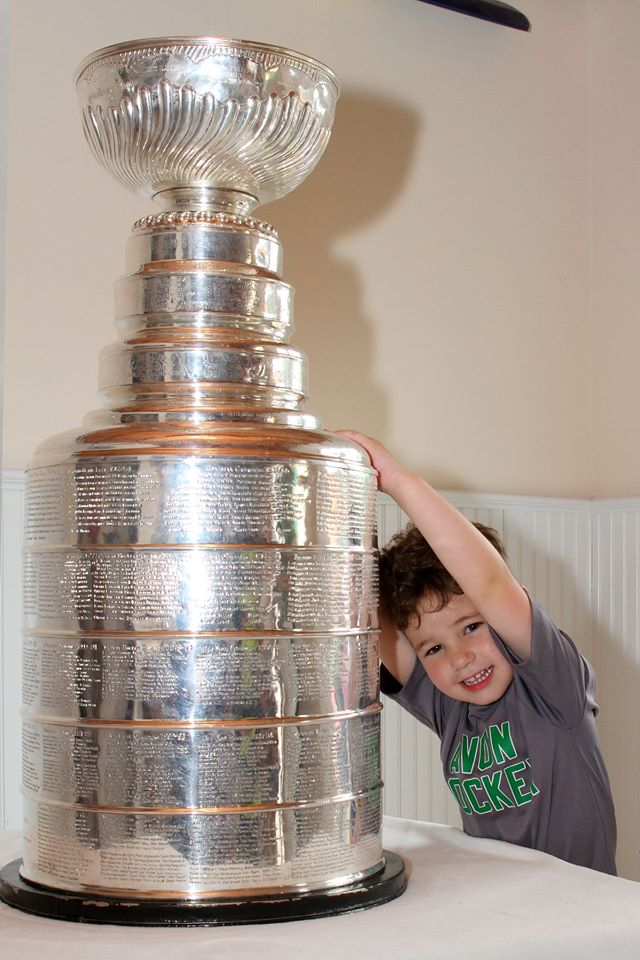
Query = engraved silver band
x=188 y=241
x=252 y=298
x=203 y=854
x=198 y=678
x=293 y=501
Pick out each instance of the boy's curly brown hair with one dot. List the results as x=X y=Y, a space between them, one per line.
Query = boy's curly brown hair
x=409 y=568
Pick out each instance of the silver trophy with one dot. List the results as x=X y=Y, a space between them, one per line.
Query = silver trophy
x=201 y=701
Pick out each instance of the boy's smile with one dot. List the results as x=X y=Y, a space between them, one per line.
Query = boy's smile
x=457 y=651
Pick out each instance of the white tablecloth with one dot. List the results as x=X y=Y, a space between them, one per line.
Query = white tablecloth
x=466 y=900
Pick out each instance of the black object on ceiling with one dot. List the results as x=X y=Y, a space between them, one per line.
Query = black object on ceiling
x=491 y=10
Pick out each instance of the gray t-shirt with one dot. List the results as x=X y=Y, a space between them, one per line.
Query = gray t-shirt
x=528 y=768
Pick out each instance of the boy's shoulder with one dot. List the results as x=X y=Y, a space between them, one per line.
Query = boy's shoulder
x=556 y=680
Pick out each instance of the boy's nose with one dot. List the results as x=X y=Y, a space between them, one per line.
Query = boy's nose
x=461 y=657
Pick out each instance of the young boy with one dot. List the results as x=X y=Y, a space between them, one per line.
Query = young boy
x=471 y=655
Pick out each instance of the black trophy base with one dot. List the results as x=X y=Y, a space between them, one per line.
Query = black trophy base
x=386 y=885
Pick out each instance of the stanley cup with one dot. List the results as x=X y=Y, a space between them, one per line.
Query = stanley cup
x=201 y=700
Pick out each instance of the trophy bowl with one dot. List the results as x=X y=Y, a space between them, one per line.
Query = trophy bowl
x=180 y=115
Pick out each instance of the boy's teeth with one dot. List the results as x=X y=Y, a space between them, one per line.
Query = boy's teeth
x=477 y=677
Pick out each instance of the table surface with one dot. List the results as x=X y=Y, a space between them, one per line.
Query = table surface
x=466 y=898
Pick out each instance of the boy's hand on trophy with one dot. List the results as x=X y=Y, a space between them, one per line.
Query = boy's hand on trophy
x=390 y=473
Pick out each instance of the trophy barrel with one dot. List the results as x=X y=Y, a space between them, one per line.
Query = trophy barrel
x=200 y=682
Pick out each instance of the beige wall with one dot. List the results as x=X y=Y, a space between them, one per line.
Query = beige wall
x=441 y=252
x=4 y=103
x=615 y=203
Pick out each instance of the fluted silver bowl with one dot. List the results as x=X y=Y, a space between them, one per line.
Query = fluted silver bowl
x=209 y=113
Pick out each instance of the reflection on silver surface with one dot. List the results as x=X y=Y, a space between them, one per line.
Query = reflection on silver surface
x=198 y=678
x=143 y=500
x=278 y=368
x=207 y=854
x=251 y=297
x=162 y=766
x=200 y=664
x=208 y=590
x=189 y=239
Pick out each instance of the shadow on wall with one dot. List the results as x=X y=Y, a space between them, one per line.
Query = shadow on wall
x=360 y=175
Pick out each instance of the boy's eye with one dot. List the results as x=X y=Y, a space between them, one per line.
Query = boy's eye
x=433 y=649
x=471 y=627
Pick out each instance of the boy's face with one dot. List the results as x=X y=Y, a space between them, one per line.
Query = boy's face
x=458 y=652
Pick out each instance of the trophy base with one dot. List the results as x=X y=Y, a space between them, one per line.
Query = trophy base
x=386 y=885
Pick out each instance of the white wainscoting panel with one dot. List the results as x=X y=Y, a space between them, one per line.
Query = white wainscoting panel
x=580 y=559
x=616 y=657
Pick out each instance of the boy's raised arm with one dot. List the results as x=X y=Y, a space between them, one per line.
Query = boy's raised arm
x=471 y=560
x=396 y=652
